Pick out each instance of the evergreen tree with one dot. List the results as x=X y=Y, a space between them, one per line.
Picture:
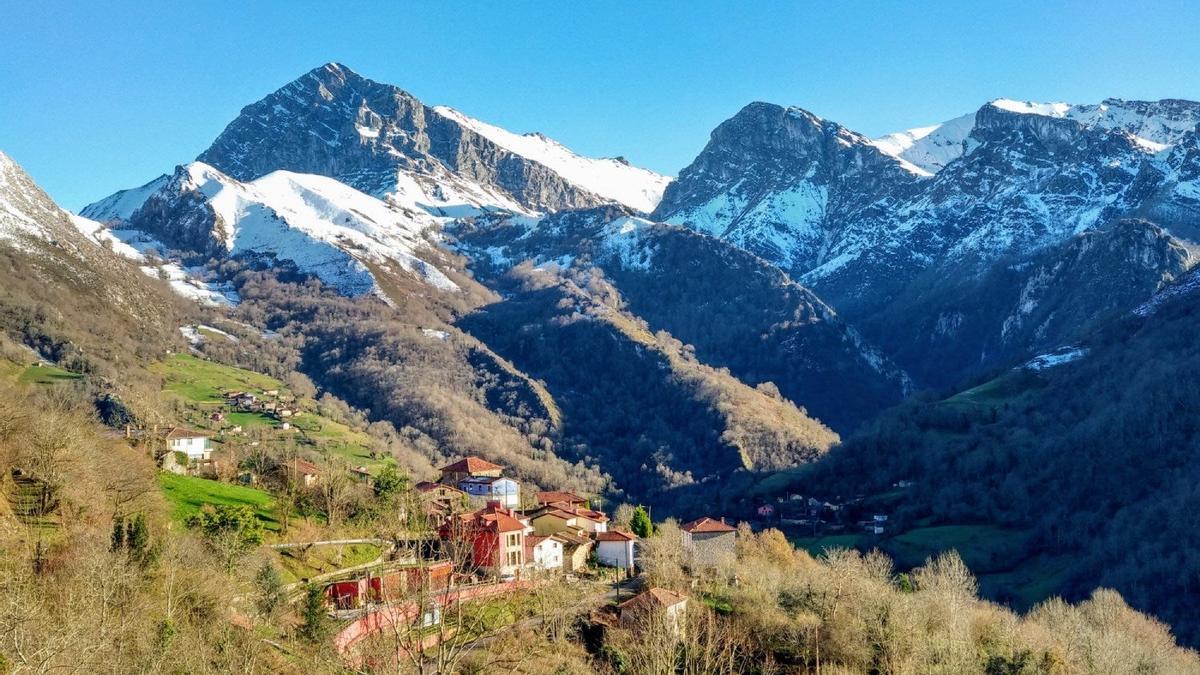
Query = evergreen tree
x=118 y=535
x=271 y=595
x=137 y=536
x=312 y=610
x=640 y=522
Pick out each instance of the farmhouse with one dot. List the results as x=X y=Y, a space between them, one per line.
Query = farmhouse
x=544 y=553
x=562 y=517
x=469 y=467
x=568 y=498
x=194 y=444
x=708 y=541
x=489 y=488
x=303 y=472
x=616 y=549
x=647 y=608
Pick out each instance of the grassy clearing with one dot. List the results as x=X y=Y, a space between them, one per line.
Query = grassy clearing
x=985 y=548
x=252 y=420
x=202 y=381
x=188 y=494
x=298 y=565
x=46 y=374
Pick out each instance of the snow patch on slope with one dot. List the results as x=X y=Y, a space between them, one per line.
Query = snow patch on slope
x=610 y=178
x=321 y=225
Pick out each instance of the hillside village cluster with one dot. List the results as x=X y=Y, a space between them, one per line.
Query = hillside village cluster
x=477 y=531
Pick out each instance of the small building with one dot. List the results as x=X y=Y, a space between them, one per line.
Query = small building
x=561 y=517
x=766 y=511
x=217 y=416
x=469 y=467
x=271 y=392
x=708 y=541
x=568 y=498
x=194 y=444
x=361 y=474
x=576 y=550
x=544 y=553
x=616 y=549
x=303 y=472
x=652 y=605
x=490 y=488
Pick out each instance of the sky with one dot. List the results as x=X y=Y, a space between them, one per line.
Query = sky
x=96 y=97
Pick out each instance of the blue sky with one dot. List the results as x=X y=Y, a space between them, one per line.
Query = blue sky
x=97 y=98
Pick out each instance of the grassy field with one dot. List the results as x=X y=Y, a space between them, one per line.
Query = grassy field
x=46 y=374
x=252 y=420
x=818 y=545
x=984 y=548
x=201 y=381
x=188 y=494
x=298 y=565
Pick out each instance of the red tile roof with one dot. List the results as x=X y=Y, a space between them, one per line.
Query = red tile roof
x=615 y=535
x=707 y=524
x=303 y=466
x=470 y=465
x=551 y=497
x=501 y=522
x=591 y=515
x=655 y=597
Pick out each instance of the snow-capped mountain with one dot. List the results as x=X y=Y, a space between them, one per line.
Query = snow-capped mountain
x=780 y=182
x=1153 y=124
x=614 y=179
x=315 y=223
x=877 y=225
x=384 y=141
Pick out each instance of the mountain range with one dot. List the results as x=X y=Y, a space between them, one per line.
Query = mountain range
x=595 y=324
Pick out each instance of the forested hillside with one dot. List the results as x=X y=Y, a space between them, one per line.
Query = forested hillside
x=1093 y=451
x=639 y=403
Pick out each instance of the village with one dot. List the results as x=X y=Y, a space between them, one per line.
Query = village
x=471 y=534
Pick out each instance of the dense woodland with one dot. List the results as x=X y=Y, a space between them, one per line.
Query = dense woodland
x=1096 y=457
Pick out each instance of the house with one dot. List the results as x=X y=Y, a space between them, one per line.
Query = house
x=544 y=553
x=654 y=604
x=766 y=511
x=561 y=517
x=469 y=467
x=568 y=498
x=361 y=474
x=708 y=541
x=616 y=549
x=491 y=488
x=576 y=550
x=194 y=444
x=441 y=492
x=303 y=472
x=495 y=535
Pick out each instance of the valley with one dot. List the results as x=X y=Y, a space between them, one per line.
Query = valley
x=370 y=384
